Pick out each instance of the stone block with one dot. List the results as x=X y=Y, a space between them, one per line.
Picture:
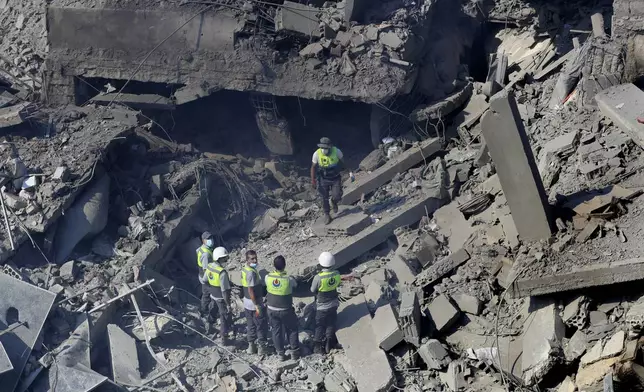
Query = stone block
x=516 y=167
x=542 y=336
x=593 y=355
x=468 y=303
x=61 y=174
x=453 y=225
x=622 y=105
x=367 y=363
x=443 y=313
x=311 y=50
x=68 y=271
x=434 y=355
x=576 y=346
x=614 y=346
x=242 y=370
x=124 y=360
x=594 y=374
x=298 y=18
x=410 y=317
x=385 y=327
x=405 y=274
x=391 y=40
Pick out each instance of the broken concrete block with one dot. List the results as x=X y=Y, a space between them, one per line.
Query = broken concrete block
x=298 y=18
x=385 y=327
x=453 y=377
x=242 y=370
x=405 y=274
x=367 y=363
x=453 y=225
x=313 y=64
x=154 y=325
x=567 y=385
x=68 y=271
x=14 y=202
x=61 y=174
x=410 y=317
x=542 y=335
x=593 y=374
x=434 y=355
x=124 y=359
x=614 y=346
x=576 y=346
x=311 y=50
x=338 y=380
x=621 y=104
x=372 y=33
x=443 y=313
x=560 y=245
x=374 y=296
x=57 y=289
x=343 y=38
x=593 y=355
x=467 y=303
x=515 y=164
x=391 y=39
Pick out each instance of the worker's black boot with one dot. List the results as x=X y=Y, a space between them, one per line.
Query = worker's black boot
x=282 y=357
x=252 y=348
x=334 y=206
x=295 y=354
x=318 y=349
x=262 y=349
x=328 y=346
x=327 y=218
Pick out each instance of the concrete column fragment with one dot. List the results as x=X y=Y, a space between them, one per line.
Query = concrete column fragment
x=542 y=336
x=516 y=167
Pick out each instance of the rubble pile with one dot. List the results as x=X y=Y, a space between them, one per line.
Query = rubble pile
x=488 y=248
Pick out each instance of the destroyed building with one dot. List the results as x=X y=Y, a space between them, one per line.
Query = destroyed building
x=489 y=232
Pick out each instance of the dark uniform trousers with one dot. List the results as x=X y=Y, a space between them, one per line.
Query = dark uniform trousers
x=256 y=327
x=218 y=309
x=205 y=300
x=330 y=188
x=325 y=321
x=284 y=321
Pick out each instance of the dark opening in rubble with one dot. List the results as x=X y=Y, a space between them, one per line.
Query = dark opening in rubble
x=12 y=316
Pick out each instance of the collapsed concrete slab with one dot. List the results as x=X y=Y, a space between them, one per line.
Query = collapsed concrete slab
x=5 y=362
x=13 y=115
x=135 y=101
x=366 y=184
x=349 y=221
x=346 y=249
x=442 y=268
x=124 y=359
x=367 y=363
x=386 y=328
x=516 y=167
x=443 y=314
x=599 y=274
x=622 y=104
x=542 y=335
x=23 y=311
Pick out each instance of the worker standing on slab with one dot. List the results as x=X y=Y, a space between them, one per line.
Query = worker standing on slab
x=204 y=257
x=281 y=314
x=256 y=317
x=325 y=287
x=327 y=164
x=219 y=287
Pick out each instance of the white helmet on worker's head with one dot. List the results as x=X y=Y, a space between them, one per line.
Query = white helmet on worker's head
x=219 y=253
x=326 y=260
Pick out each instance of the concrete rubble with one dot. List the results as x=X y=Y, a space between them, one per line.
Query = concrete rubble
x=491 y=215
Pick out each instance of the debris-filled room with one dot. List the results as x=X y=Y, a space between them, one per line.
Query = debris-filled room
x=332 y=196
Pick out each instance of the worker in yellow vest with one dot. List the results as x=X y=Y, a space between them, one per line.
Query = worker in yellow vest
x=204 y=257
x=327 y=163
x=256 y=317
x=281 y=314
x=325 y=287
x=219 y=288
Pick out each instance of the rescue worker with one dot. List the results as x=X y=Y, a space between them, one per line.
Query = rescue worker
x=325 y=287
x=204 y=257
x=256 y=317
x=219 y=288
x=327 y=163
x=281 y=314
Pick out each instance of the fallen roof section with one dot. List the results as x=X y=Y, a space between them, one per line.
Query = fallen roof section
x=623 y=105
x=405 y=161
x=599 y=274
x=29 y=306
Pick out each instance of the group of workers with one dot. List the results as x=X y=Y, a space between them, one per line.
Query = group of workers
x=266 y=301
x=270 y=300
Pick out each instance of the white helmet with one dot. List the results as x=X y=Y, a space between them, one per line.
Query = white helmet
x=326 y=260
x=219 y=252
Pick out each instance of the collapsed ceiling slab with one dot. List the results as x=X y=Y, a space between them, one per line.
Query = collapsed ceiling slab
x=23 y=311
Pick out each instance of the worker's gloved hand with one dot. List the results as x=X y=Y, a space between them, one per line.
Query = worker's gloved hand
x=202 y=278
